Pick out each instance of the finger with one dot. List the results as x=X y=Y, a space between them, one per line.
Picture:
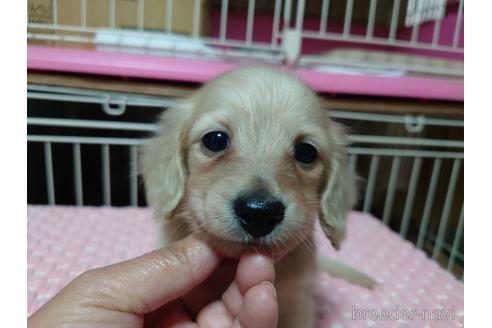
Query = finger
x=233 y=299
x=143 y=284
x=259 y=308
x=253 y=268
x=214 y=315
x=211 y=289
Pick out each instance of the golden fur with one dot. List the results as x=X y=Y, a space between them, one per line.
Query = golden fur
x=265 y=112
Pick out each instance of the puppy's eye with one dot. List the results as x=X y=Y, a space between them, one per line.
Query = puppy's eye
x=216 y=141
x=305 y=153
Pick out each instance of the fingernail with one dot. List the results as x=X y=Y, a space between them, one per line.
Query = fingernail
x=271 y=288
x=262 y=255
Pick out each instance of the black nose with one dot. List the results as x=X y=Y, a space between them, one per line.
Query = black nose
x=259 y=213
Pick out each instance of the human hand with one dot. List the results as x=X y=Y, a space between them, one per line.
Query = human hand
x=187 y=284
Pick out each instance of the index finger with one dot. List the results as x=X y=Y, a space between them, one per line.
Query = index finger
x=145 y=283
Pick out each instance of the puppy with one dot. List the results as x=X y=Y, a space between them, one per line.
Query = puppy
x=250 y=161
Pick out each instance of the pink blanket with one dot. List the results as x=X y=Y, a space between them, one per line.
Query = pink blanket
x=414 y=292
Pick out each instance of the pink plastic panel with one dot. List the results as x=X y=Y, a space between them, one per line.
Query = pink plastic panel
x=121 y=64
x=188 y=70
x=66 y=241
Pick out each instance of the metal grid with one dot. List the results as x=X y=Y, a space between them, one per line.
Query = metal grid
x=289 y=27
x=436 y=226
x=391 y=39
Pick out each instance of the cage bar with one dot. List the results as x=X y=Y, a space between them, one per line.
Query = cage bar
x=456 y=241
x=407 y=211
x=276 y=23
x=93 y=124
x=394 y=20
x=85 y=140
x=300 y=14
x=106 y=175
x=373 y=171
x=405 y=141
x=196 y=19
x=54 y=6
x=353 y=162
x=457 y=29
x=415 y=34
x=141 y=13
x=223 y=20
x=429 y=202
x=102 y=98
x=287 y=13
x=48 y=162
x=445 y=245
x=77 y=168
x=169 y=16
x=436 y=34
x=82 y=95
x=112 y=13
x=394 y=118
x=388 y=205
x=447 y=208
x=325 y=7
x=348 y=18
x=250 y=22
x=133 y=176
x=405 y=152
x=371 y=19
x=83 y=13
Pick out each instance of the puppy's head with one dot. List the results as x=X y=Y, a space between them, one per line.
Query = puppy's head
x=249 y=161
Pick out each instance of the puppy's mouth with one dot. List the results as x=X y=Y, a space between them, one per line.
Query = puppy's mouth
x=244 y=242
x=234 y=247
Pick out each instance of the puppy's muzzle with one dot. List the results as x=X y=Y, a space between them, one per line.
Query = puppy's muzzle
x=258 y=213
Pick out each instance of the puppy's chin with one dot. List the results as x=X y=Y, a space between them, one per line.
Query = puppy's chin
x=234 y=249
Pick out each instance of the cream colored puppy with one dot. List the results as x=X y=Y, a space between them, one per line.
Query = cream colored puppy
x=249 y=162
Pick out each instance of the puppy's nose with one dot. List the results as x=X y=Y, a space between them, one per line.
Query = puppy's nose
x=259 y=213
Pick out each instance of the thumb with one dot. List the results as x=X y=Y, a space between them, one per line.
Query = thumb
x=145 y=283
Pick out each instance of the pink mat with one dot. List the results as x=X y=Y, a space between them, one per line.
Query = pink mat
x=415 y=292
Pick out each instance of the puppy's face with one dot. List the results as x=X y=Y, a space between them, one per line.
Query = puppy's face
x=257 y=151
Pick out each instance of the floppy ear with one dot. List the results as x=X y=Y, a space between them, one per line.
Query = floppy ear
x=163 y=163
x=339 y=193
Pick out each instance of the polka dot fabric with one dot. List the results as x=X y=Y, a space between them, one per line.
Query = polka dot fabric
x=414 y=291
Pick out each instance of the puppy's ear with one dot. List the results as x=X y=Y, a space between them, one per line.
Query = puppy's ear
x=338 y=195
x=163 y=162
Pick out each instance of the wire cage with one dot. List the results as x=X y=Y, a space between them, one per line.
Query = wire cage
x=91 y=159
x=395 y=37
x=411 y=165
